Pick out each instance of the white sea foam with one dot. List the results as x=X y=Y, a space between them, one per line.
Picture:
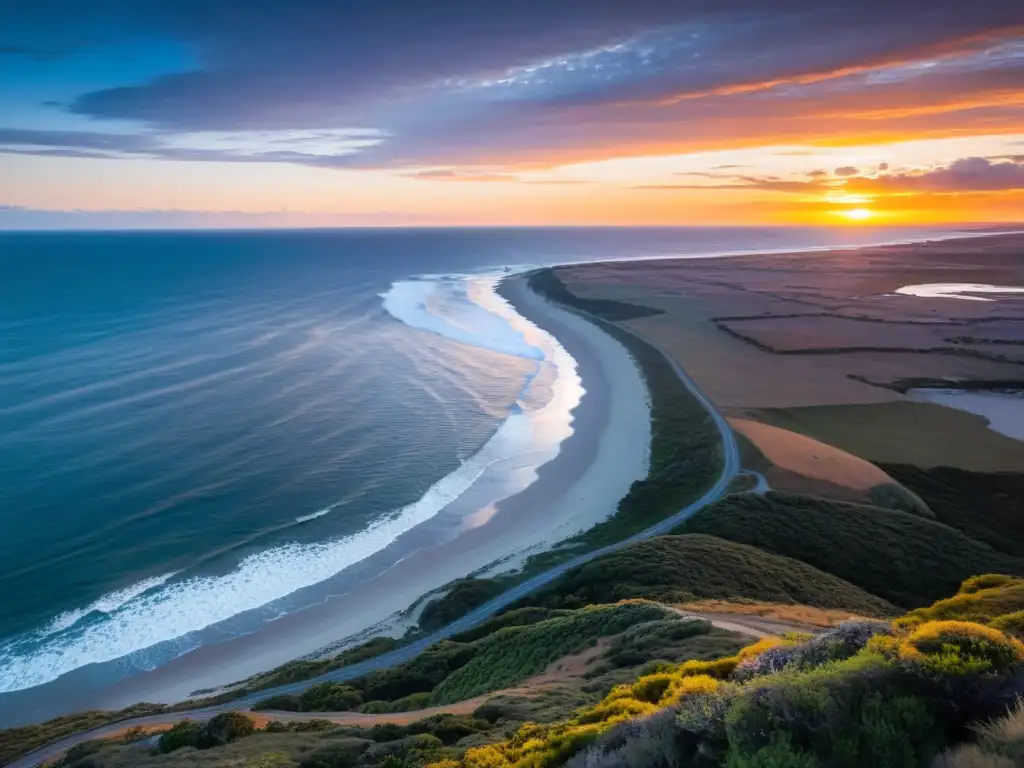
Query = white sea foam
x=106 y=604
x=964 y=291
x=438 y=305
x=160 y=610
x=191 y=604
x=314 y=515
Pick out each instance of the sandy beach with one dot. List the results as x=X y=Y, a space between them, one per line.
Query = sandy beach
x=594 y=468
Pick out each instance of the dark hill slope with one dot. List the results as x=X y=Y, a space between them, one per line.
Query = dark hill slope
x=681 y=568
x=907 y=559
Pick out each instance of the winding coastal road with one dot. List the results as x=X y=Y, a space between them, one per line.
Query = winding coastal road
x=730 y=469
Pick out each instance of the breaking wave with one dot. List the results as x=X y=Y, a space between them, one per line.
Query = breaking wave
x=172 y=607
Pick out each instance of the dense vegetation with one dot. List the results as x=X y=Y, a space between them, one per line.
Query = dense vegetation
x=682 y=568
x=547 y=283
x=987 y=507
x=902 y=557
x=938 y=684
x=457 y=669
x=686 y=449
x=303 y=670
x=323 y=744
x=463 y=596
x=865 y=693
x=19 y=741
x=515 y=653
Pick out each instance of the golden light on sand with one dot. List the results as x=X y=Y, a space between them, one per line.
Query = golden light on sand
x=857 y=214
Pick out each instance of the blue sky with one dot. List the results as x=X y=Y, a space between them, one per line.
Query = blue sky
x=373 y=106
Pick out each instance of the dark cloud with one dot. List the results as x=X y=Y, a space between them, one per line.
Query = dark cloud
x=969 y=174
x=846 y=170
x=883 y=166
x=817 y=174
x=462 y=81
x=311 y=63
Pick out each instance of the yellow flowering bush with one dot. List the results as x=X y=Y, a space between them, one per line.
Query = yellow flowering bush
x=961 y=647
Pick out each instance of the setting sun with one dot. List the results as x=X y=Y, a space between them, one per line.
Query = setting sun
x=857 y=214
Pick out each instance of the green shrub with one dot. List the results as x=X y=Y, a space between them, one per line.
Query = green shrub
x=985 y=581
x=420 y=675
x=187 y=733
x=516 y=618
x=343 y=753
x=514 y=653
x=463 y=596
x=82 y=750
x=1010 y=624
x=778 y=753
x=226 y=728
x=652 y=687
x=414 y=746
x=961 y=648
x=978 y=603
x=284 y=702
x=330 y=697
x=405 y=704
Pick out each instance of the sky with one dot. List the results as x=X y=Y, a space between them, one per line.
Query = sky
x=193 y=113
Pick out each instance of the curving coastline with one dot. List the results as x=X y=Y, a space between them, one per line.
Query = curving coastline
x=571 y=492
x=730 y=469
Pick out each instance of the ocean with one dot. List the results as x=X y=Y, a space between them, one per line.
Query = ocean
x=203 y=431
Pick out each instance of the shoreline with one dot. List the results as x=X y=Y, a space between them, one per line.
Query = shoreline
x=579 y=487
x=510 y=556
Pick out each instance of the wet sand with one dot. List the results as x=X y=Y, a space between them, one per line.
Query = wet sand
x=607 y=451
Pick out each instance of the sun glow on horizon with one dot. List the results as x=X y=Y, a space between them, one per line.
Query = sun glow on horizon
x=857 y=214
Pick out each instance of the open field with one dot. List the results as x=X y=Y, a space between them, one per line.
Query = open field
x=904 y=432
x=803 y=465
x=770 y=337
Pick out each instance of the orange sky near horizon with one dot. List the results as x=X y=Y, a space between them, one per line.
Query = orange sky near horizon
x=630 y=190
x=926 y=129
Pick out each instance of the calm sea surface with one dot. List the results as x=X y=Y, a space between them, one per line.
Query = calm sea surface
x=201 y=427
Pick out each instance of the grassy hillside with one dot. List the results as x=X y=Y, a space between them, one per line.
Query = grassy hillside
x=515 y=653
x=931 y=688
x=18 y=741
x=865 y=693
x=457 y=669
x=986 y=506
x=904 y=558
x=682 y=568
